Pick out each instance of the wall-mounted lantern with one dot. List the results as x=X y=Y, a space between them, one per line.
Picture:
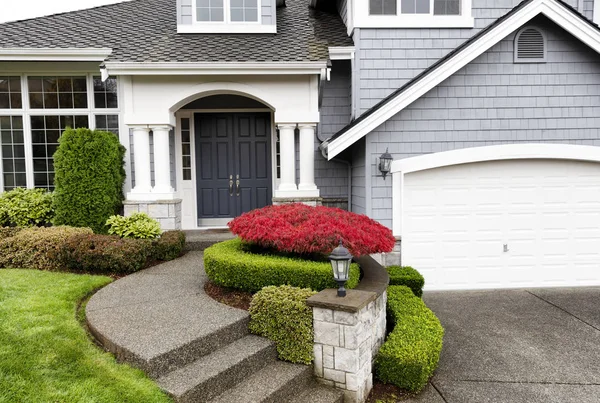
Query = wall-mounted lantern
x=340 y=263
x=385 y=163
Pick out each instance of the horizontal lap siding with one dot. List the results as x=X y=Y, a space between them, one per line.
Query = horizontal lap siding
x=332 y=177
x=494 y=101
x=389 y=58
x=342 y=7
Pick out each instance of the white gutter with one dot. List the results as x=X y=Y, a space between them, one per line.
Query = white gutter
x=55 y=54
x=229 y=68
x=341 y=52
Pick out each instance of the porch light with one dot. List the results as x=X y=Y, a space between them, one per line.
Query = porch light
x=340 y=263
x=385 y=163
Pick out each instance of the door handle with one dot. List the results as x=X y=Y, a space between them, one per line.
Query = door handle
x=237 y=184
x=230 y=185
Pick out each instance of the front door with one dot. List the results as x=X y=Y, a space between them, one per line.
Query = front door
x=233 y=164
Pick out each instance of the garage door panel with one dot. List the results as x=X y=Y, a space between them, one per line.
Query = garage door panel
x=546 y=212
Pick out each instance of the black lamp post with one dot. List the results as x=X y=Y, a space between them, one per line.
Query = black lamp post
x=340 y=263
x=385 y=163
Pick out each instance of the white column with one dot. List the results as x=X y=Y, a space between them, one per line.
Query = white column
x=288 y=158
x=162 y=162
x=307 y=159
x=141 y=159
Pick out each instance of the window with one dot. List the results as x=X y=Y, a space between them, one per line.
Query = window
x=105 y=93
x=439 y=7
x=186 y=149
x=530 y=46
x=382 y=7
x=244 y=10
x=227 y=11
x=10 y=93
x=413 y=14
x=12 y=152
x=210 y=10
x=446 y=7
x=108 y=123
x=45 y=132
x=58 y=92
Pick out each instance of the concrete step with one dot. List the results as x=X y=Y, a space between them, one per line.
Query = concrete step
x=277 y=382
x=219 y=371
x=199 y=240
x=316 y=393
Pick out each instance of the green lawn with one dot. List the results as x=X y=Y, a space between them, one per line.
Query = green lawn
x=45 y=354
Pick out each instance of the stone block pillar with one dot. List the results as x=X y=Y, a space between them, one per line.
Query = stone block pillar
x=347 y=334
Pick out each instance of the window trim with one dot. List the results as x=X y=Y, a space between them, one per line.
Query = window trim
x=363 y=19
x=227 y=26
x=227 y=15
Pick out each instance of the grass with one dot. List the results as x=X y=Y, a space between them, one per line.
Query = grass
x=45 y=354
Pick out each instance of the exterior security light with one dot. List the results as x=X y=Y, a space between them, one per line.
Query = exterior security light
x=385 y=163
x=340 y=263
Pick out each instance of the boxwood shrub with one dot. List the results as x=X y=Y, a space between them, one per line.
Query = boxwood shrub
x=281 y=314
x=228 y=264
x=406 y=275
x=412 y=350
x=169 y=246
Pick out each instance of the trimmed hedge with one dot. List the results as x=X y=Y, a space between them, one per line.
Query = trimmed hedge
x=22 y=207
x=406 y=275
x=104 y=254
x=412 y=350
x=281 y=314
x=227 y=264
x=169 y=246
x=89 y=178
x=36 y=247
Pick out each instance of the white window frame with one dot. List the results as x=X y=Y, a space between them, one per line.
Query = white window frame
x=226 y=26
x=26 y=112
x=363 y=18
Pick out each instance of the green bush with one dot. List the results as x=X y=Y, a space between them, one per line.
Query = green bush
x=412 y=350
x=7 y=232
x=169 y=246
x=92 y=253
x=227 y=264
x=137 y=225
x=22 y=207
x=89 y=178
x=406 y=275
x=281 y=314
x=36 y=247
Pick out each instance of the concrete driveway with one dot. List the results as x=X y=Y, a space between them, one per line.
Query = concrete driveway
x=513 y=346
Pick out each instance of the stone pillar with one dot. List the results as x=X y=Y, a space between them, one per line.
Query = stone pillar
x=307 y=161
x=287 y=152
x=162 y=163
x=141 y=159
x=347 y=334
x=166 y=212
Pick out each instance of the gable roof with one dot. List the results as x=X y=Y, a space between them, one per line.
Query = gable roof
x=146 y=31
x=556 y=10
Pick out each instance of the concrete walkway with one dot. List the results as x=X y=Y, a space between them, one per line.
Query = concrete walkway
x=529 y=346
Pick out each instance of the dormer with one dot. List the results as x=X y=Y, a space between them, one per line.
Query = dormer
x=227 y=16
x=409 y=14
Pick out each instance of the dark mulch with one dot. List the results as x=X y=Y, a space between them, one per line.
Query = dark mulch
x=386 y=393
x=228 y=296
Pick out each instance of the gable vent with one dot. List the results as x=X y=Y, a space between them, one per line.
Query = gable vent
x=530 y=46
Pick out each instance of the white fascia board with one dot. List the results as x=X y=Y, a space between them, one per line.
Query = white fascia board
x=55 y=54
x=226 y=28
x=341 y=52
x=552 y=9
x=116 y=68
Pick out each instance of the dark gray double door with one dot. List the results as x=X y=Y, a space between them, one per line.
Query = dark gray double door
x=233 y=164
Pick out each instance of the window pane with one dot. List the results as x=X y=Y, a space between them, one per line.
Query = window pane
x=209 y=10
x=382 y=7
x=251 y=14
x=237 y=14
x=10 y=93
x=57 y=92
x=13 y=152
x=105 y=93
x=216 y=14
x=108 y=123
x=415 y=6
x=446 y=7
x=186 y=149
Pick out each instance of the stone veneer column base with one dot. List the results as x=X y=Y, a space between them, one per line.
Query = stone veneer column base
x=310 y=201
x=166 y=212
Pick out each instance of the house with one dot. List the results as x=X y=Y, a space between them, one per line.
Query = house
x=490 y=110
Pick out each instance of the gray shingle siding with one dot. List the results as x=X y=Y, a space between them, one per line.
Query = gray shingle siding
x=389 y=58
x=332 y=177
x=494 y=101
x=342 y=7
x=358 y=178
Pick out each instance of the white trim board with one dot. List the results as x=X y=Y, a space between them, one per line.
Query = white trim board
x=55 y=54
x=552 y=9
x=232 y=68
x=479 y=154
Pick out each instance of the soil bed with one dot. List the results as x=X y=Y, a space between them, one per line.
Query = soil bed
x=228 y=296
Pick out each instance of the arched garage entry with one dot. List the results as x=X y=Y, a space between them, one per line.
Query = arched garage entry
x=501 y=216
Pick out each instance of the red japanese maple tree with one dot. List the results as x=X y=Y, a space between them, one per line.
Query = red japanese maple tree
x=301 y=229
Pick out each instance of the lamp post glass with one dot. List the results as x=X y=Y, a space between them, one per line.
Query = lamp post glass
x=340 y=263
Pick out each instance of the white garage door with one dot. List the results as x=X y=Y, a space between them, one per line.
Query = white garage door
x=504 y=224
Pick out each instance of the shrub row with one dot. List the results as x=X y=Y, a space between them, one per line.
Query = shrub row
x=78 y=249
x=406 y=275
x=412 y=350
x=281 y=314
x=228 y=264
